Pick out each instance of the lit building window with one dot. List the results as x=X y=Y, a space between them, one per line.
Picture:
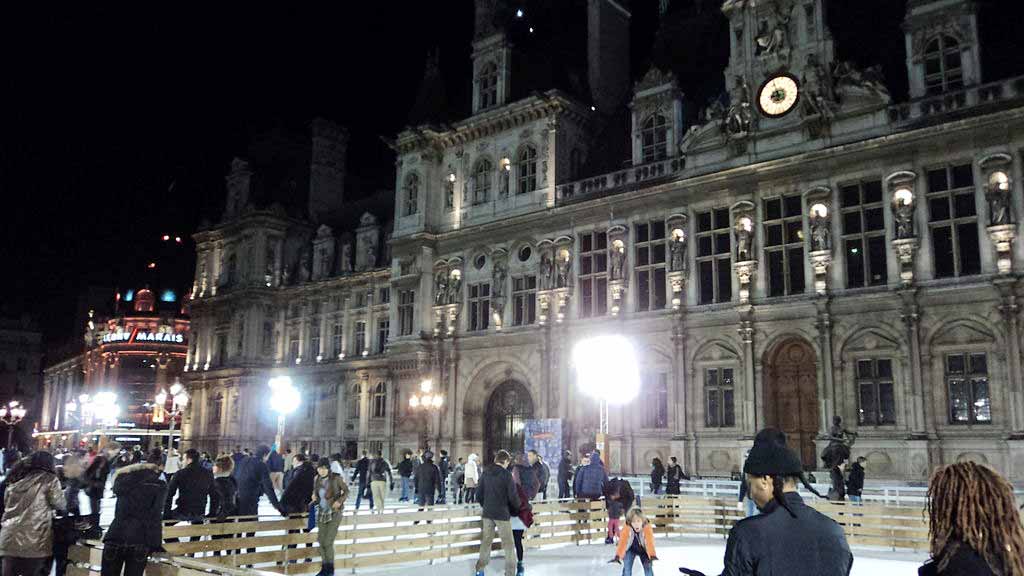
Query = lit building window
x=593 y=276
x=649 y=263
x=942 y=68
x=875 y=391
x=714 y=245
x=953 y=221
x=967 y=384
x=784 y=245
x=719 y=406
x=482 y=181
x=526 y=170
x=479 y=306
x=653 y=137
x=488 y=85
x=412 y=195
x=864 y=247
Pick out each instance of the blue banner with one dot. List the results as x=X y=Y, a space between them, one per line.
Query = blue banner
x=546 y=436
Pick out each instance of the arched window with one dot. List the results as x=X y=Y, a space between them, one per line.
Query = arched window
x=482 y=181
x=526 y=170
x=942 y=70
x=412 y=195
x=354 y=400
x=488 y=85
x=380 y=400
x=653 y=136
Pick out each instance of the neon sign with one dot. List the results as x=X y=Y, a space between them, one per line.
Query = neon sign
x=137 y=335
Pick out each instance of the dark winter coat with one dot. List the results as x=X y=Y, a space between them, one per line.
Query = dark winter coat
x=406 y=467
x=855 y=483
x=224 y=498
x=193 y=483
x=296 y=496
x=657 y=475
x=528 y=478
x=543 y=474
x=590 y=479
x=95 y=477
x=362 y=470
x=963 y=561
x=838 y=490
x=427 y=478
x=275 y=463
x=444 y=466
x=137 y=514
x=380 y=471
x=618 y=497
x=674 y=475
x=496 y=493
x=254 y=481
x=565 y=472
x=775 y=542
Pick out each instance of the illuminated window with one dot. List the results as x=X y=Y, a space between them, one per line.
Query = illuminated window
x=864 y=247
x=488 y=85
x=784 y=245
x=380 y=400
x=482 y=181
x=967 y=384
x=719 y=407
x=953 y=221
x=942 y=67
x=875 y=390
x=526 y=170
x=714 y=250
x=653 y=138
x=593 y=276
x=412 y=195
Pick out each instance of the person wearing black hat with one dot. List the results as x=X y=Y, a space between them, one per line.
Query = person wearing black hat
x=788 y=537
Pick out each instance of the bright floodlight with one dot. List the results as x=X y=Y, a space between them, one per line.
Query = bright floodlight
x=176 y=388
x=607 y=369
x=284 y=398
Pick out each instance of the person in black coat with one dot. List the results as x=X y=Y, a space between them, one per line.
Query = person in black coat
x=565 y=476
x=444 y=467
x=855 y=481
x=838 y=490
x=427 y=479
x=987 y=542
x=193 y=485
x=253 y=479
x=496 y=492
x=95 y=478
x=788 y=537
x=657 y=475
x=405 y=469
x=295 y=499
x=362 y=471
x=224 y=497
x=674 y=476
x=137 y=530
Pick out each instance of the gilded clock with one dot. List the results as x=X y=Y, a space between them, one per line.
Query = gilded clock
x=778 y=95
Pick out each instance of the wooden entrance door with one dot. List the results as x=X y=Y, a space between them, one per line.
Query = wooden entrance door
x=791 y=396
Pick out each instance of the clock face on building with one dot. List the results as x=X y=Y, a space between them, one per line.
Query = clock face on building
x=778 y=96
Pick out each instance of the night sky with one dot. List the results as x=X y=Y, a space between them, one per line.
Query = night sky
x=118 y=124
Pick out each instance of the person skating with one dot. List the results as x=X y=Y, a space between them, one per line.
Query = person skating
x=405 y=470
x=526 y=476
x=74 y=524
x=657 y=475
x=788 y=537
x=520 y=521
x=275 y=464
x=329 y=495
x=837 y=493
x=362 y=473
x=380 y=481
x=855 y=481
x=472 y=476
x=458 y=480
x=95 y=481
x=565 y=474
x=295 y=499
x=193 y=485
x=540 y=471
x=636 y=542
x=428 y=481
x=618 y=498
x=674 y=475
x=497 y=496
x=31 y=496
x=988 y=539
x=590 y=478
x=253 y=482
x=444 y=467
x=224 y=497
x=172 y=464
x=137 y=530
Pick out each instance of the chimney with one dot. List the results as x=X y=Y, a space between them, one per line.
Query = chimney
x=327 y=169
x=608 y=53
x=239 y=182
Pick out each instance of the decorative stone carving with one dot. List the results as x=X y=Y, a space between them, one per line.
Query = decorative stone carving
x=821 y=237
x=346 y=258
x=773 y=35
x=563 y=265
x=678 y=263
x=901 y=186
x=739 y=118
x=454 y=292
x=440 y=287
x=499 y=277
x=744 y=233
x=547 y=271
x=745 y=265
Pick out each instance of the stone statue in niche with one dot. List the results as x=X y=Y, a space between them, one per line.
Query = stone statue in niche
x=818 y=89
x=999 y=207
x=744 y=241
x=454 y=288
x=546 y=272
x=498 y=277
x=771 y=36
x=564 y=263
x=677 y=253
x=618 y=257
x=821 y=236
x=326 y=269
x=346 y=258
x=738 y=118
x=440 y=287
x=371 y=257
x=304 y=258
x=903 y=213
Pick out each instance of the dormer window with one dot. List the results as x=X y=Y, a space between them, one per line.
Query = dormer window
x=412 y=195
x=482 y=181
x=526 y=170
x=488 y=85
x=654 y=135
x=942 y=68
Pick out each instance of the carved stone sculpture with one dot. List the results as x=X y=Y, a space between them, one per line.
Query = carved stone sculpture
x=304 y=258
x=454 y=288
x=999 y=207
x=744 y=248
x=677 y=252
x=440 y=287
x=346 y=258
x=546 y=272
x=618 y=258
x=564 y=264
x=904 y=216
x=739 y=117
x=821 y=236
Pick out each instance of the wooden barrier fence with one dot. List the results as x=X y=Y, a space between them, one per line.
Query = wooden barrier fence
x=441 y=533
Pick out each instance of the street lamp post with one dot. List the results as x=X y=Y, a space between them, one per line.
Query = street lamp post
x=11 y=415
x=284 y=399
x=179 y=400
x=426 y=401
x=606 y=369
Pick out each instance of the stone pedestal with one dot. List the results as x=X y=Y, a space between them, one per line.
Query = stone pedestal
x=1002 y=238
x=820 y=262
x=678 y=282
x=905 y=249
x=618 y=290
x=745 y=271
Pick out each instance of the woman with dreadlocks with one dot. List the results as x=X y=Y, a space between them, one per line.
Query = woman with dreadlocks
x=974 y=525
x=788 y=537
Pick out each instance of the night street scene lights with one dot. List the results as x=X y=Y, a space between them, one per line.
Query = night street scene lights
x=284 y=399
x=607 y=370
x=179 y=400
x=11 y=415
x=426 y=399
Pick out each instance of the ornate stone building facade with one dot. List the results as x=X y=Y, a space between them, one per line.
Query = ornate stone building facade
x=808 y=250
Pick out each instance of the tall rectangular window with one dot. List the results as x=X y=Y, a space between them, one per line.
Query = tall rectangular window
x=383 y=327
x=863 y=234
x=267 y=343
x=360 y=340
x=967 y=384
x=719 y=408
x=384 y=296
x=336 y=337
x=714 y=245
x=524 y=300
x=222 y=349
x=656 y=398
x=649 y=264
x=953 y=221
x=875 y=390
x=479 y=306
x=293 y=345
x=406 y=304
x=314 y=338
x=784 y=245
x=593 y=276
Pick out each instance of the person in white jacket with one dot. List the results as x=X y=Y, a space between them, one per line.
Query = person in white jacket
x=472 y=477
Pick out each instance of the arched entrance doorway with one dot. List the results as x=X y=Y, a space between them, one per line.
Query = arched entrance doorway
x=791 y=396
x=508 y=409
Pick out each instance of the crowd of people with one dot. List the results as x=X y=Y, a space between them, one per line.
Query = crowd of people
x=49 y=504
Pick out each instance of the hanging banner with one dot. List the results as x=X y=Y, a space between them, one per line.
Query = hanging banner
x=546 y=436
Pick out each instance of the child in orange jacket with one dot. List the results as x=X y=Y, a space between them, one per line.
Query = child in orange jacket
x=636 y=542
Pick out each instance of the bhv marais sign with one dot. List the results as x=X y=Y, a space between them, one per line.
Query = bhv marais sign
x=137 y=335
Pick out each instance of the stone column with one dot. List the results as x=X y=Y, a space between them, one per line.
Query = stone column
x=752 y=417
x=1010 y=310
x=922 y=423
x=829 y=399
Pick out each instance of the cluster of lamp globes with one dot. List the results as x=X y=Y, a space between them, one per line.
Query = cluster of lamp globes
x=426 y=398
x=13 y=412
x=102 y=406
x=178 y=396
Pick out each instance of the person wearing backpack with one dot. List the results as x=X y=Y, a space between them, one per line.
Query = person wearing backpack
x=379 y=469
